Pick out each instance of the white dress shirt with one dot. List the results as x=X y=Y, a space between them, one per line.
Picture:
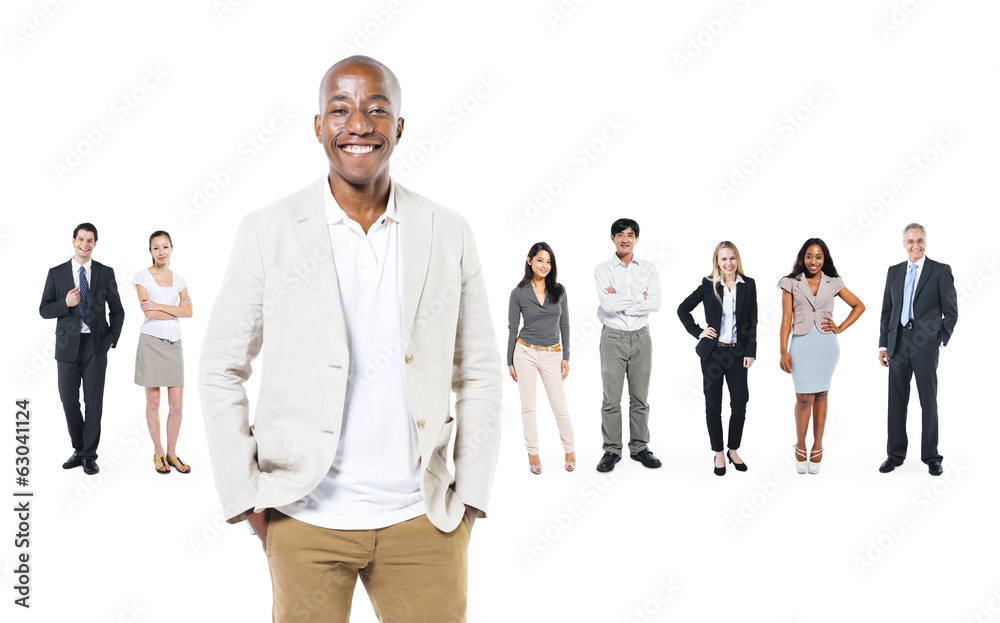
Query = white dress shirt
x=627 y=309
x=374 y=481
x=727 y=328
x=84 y=327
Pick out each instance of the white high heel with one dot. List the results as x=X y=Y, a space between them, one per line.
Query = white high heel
x=801 y=466
x=814 y=466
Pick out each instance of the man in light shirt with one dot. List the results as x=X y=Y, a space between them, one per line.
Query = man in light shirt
x=919 y=314
x=628 y=290
x=369 y=306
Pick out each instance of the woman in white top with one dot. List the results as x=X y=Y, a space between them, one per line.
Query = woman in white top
x=159 y=359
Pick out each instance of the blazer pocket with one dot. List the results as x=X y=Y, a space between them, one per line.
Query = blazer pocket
x=270 y=449
x=704 y=347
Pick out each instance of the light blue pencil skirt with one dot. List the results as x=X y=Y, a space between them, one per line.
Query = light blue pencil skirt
x=814 y=358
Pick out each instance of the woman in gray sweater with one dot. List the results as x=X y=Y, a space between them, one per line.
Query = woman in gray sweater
x=536 y=350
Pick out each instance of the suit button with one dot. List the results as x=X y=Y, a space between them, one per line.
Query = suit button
x=409 y=359
x=420 y=423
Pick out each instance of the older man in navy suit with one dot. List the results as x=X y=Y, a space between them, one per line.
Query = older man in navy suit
x=75 y=294
x=919 y=312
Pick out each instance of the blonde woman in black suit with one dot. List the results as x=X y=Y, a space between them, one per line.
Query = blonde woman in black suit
x=727 y=346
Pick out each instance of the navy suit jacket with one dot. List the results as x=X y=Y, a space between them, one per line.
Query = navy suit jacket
x=103 y=295
x=935 y=305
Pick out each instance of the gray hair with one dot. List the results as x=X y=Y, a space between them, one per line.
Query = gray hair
x=914 y=226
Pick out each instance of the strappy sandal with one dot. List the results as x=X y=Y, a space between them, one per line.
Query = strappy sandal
x=814 y=465
x=570 y=465
x=801 y=466
x=163 y=468
x=180 y=465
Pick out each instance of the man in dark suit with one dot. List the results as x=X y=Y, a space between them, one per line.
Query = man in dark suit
x=919 y=312
x=75 y=294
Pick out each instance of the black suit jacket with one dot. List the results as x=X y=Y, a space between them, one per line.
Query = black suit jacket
x=103 y=291
x=746 y=315
x=935 y=305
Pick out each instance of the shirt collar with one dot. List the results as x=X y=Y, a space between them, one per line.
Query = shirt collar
x=77 y=265
x=919 y=263
x=739 y=280
x=336 y=214
x=617 y=261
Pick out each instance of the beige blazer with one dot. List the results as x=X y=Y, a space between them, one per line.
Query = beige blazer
x=280 y=298
x=805 y=312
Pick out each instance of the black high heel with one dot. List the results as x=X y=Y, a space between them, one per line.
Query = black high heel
x=719 y=471
x=740 y=467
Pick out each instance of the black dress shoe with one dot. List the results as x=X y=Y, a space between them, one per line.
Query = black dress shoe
x=719 y=471
x=73 y=461
x=90 y=466
x=934 y=468
x=888 y=465
x=740 y=467
x=607 y=462
x=646 y=458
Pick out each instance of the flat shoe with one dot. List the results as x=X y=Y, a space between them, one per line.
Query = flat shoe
x=180 y=465
x=163 y=468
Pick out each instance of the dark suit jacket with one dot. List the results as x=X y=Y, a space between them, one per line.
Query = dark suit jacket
x=746 y=315
x=103 y=291
x=935 y=305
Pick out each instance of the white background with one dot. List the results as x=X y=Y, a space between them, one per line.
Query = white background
x=682 y=93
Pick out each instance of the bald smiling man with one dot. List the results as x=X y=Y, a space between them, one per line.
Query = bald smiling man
x=368 y=304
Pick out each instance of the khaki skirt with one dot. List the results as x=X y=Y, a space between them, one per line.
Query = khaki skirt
x=159 y=362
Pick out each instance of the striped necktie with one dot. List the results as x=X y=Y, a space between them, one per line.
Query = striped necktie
x=84 y=297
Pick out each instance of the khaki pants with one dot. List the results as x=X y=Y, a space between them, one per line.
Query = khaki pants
x=625 y=354
x=412 y=571
x=530 y=363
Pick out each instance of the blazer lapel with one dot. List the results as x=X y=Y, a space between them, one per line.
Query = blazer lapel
x=95 y=275
x=739 y=300
x=924 y=278
x=309 y=214
x=415 y=231
x=806 y=290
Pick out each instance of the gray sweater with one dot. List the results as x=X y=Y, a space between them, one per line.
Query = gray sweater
x=543 y=324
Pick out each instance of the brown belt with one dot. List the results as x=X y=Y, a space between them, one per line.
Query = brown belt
x=724 y=345
x=556 y=348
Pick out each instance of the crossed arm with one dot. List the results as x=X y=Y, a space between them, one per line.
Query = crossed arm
x=630 y=305
x=160 y=311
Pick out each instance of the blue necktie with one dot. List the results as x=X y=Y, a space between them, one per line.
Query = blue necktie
x=908 y=295
x=84 y=297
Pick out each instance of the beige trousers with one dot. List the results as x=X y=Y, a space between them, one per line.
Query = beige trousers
x=530 y=364
x=413 y=572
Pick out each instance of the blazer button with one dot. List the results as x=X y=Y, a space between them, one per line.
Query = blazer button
x=420 y=423
x=409 y=359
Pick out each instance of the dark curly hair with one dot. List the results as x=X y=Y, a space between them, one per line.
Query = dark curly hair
x=828 y=268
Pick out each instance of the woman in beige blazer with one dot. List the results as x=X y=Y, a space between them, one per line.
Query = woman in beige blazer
x=807 y=314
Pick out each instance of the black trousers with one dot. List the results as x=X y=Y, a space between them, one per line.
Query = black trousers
x=725 y=363
x=88 y=368
x=915 y=356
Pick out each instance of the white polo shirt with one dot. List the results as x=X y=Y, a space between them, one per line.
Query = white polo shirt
x=374 y=481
